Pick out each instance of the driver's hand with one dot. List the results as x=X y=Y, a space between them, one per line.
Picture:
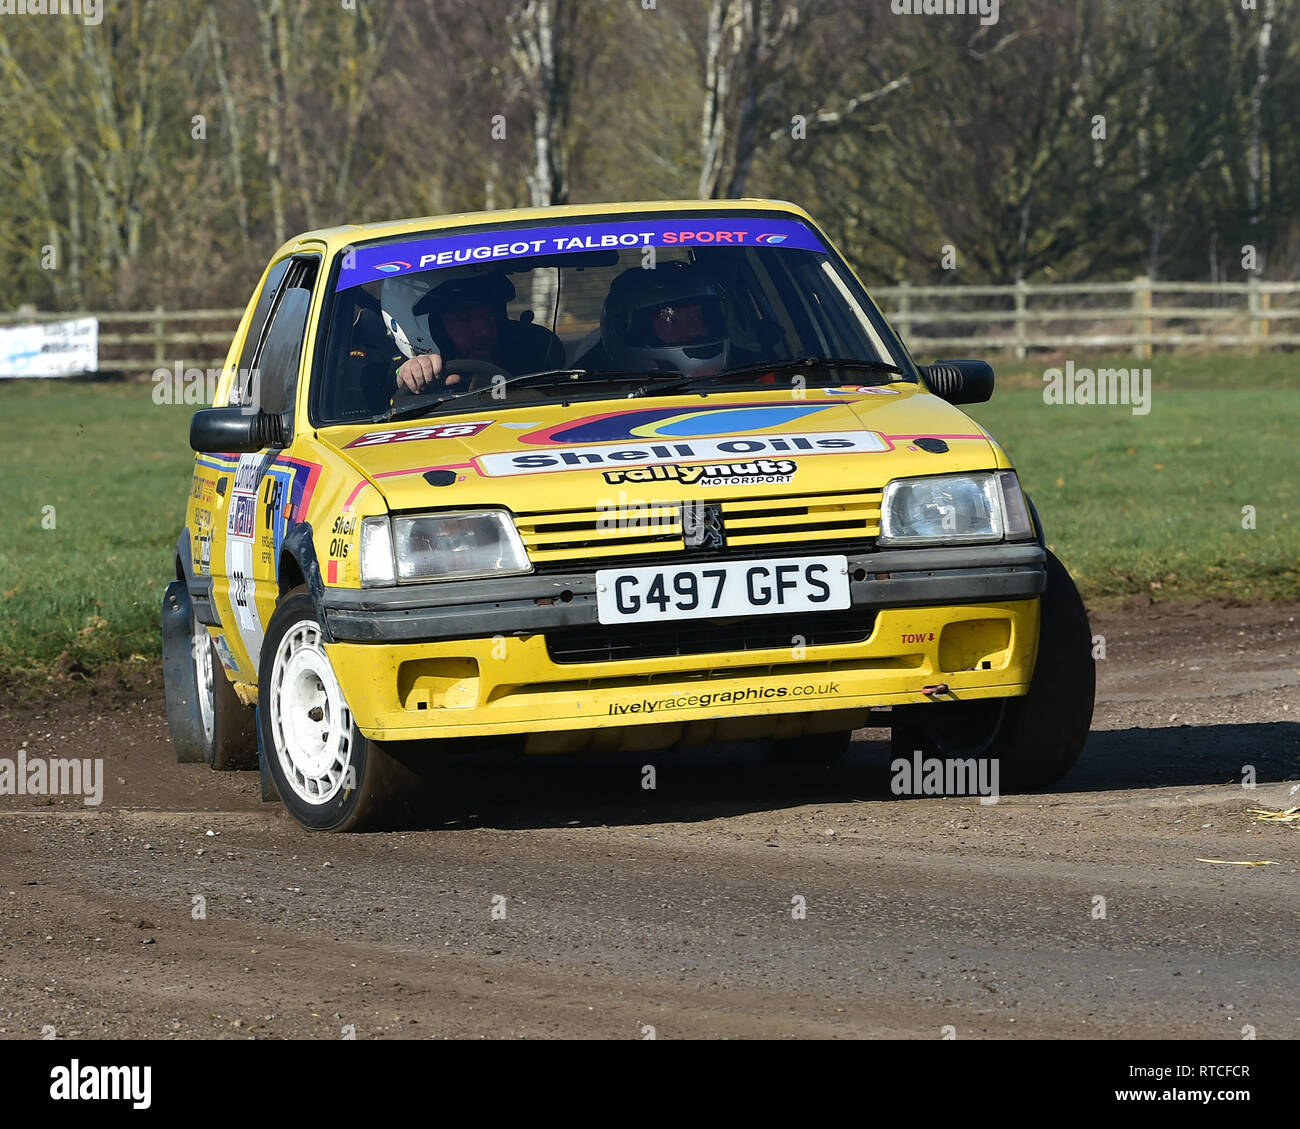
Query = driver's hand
x=423 y=373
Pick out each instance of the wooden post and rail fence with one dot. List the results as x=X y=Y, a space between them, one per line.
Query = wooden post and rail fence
x=950 y=320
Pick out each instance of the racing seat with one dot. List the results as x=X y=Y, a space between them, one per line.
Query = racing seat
x=367 y=385
x=528 y=339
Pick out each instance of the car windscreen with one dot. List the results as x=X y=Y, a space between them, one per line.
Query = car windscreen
x=690 y=295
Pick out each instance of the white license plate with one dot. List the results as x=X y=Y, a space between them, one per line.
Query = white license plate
x=711 y=591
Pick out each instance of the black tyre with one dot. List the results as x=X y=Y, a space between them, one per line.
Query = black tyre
x=1037 y=738
x=810 y=749
x=329 y=776
x=207 y=720
x=950 y=729
x=233 y=744
x=187 y=718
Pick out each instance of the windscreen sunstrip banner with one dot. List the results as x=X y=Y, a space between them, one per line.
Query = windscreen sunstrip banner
x=370 y=263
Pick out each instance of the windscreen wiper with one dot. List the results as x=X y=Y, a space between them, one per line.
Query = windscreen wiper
x=784 y=366
x=814 y=362
x=558 y=377
x=550 y=378
x=414 y=411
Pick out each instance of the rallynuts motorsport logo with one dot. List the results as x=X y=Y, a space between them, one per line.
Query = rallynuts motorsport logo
x=759 y=472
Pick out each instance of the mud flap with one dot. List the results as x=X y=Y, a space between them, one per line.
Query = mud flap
x=180 y=680
x=270 y=793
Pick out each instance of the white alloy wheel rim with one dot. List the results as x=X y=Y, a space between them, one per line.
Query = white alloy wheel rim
x=310 y=723
x=201 y=647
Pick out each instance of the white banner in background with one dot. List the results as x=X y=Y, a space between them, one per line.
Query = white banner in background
x=51 y=348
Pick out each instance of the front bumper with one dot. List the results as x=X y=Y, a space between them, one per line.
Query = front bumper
x=472 y=659
x=527 y=605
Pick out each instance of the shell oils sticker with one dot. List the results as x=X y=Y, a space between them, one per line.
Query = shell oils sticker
x=610 y=455
x=342 y=542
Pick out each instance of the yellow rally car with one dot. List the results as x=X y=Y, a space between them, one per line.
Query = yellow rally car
x=596 y=477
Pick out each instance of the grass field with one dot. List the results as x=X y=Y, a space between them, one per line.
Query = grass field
x=1133 y=504
x=116 y=467
x=1153 y=504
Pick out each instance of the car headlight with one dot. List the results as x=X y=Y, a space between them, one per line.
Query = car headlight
x=444 y=546
x=954 y=509
x=377 y=552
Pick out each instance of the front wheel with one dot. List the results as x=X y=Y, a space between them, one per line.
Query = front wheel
x=1036 y=738
x=329 y=776
x=810 y=749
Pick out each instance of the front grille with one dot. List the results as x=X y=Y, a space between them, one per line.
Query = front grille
x=599 y=643
x=703 y=556
x=655 y=528
x=801 y=519
x=578 y=535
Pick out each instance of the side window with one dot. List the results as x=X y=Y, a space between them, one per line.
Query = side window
x=257 y=326
x=274 y=377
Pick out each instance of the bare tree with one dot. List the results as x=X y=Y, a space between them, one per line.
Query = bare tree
x=543 y=38
x=1257 y=172
x=749 y=48
x=89 y=120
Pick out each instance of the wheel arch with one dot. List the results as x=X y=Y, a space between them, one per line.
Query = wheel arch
x=1040 y=536
x=298 y=565
x=183 y=557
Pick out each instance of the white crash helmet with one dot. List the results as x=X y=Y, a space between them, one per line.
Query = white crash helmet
x=413 y=305
x=397 y=299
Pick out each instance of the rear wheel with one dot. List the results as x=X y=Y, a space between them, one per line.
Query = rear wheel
x=330 y=777
x=186 y=723
x=208 y=722
x=1036 y=738
x=229 y=728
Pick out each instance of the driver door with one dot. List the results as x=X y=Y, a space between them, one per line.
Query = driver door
x=258 y=485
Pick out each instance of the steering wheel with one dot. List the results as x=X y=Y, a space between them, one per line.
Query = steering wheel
x=475 y=375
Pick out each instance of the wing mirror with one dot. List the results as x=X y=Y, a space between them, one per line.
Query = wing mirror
x=959 y=382
x=214 y=430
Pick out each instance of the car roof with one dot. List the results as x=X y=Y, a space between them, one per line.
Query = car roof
x=336 y=238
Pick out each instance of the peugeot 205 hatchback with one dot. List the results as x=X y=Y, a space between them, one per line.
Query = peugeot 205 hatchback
x=597 y=477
